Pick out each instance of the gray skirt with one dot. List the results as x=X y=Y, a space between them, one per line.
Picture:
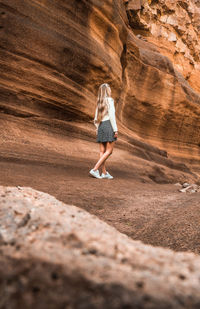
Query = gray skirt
x=105 y=132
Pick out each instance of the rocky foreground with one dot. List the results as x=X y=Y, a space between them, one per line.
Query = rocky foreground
x=55 y=255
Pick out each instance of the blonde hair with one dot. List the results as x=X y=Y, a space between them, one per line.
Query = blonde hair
x=104 y=93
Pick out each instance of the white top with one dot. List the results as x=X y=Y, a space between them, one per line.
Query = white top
x=110 y=115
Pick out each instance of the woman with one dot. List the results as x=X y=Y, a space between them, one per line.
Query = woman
x=107 y=132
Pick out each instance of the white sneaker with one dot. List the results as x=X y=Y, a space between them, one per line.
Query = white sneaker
x=106 y=176
x=95 y=173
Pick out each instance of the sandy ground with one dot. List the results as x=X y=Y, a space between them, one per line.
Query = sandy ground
x=157 y=214
x=55 y=157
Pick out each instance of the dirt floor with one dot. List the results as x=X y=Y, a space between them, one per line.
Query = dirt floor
x=156 y=214
x=55 y=157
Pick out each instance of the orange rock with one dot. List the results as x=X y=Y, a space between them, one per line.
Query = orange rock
x=55 y=56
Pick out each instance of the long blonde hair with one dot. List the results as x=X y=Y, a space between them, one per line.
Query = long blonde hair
x=104 y=93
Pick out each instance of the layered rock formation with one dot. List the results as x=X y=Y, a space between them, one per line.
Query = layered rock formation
x=164 y=51
x=55 y=55
x=55 y=255
x=174 y=28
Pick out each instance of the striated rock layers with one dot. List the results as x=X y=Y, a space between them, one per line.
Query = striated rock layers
x=55 y=54
x=55 y=255
x=162 y=73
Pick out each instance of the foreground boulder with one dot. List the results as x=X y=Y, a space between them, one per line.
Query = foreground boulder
x=55 y=255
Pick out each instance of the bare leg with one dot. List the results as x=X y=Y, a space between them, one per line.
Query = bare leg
x=104 y=157
x=102 y=151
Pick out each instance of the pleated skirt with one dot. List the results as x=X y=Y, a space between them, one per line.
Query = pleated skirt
x=105 y=132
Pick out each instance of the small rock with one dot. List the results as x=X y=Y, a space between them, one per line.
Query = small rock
x=185 y=185
x=185 y=189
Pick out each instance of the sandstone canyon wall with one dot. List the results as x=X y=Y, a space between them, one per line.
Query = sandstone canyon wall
x=162 y=73
x=55 y=54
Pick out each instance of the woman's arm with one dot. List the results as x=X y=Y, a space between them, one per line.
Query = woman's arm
x=111 y=112
x=95 y=119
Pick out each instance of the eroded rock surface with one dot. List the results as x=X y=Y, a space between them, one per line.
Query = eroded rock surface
x=162 y=62
x=175 y=25
x=55 y=55
x=55 y=255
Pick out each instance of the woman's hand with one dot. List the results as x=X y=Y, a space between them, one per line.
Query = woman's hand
x=116 y=134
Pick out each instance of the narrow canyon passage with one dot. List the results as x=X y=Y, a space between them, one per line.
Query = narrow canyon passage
x=153 y=213
x=54 y=57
